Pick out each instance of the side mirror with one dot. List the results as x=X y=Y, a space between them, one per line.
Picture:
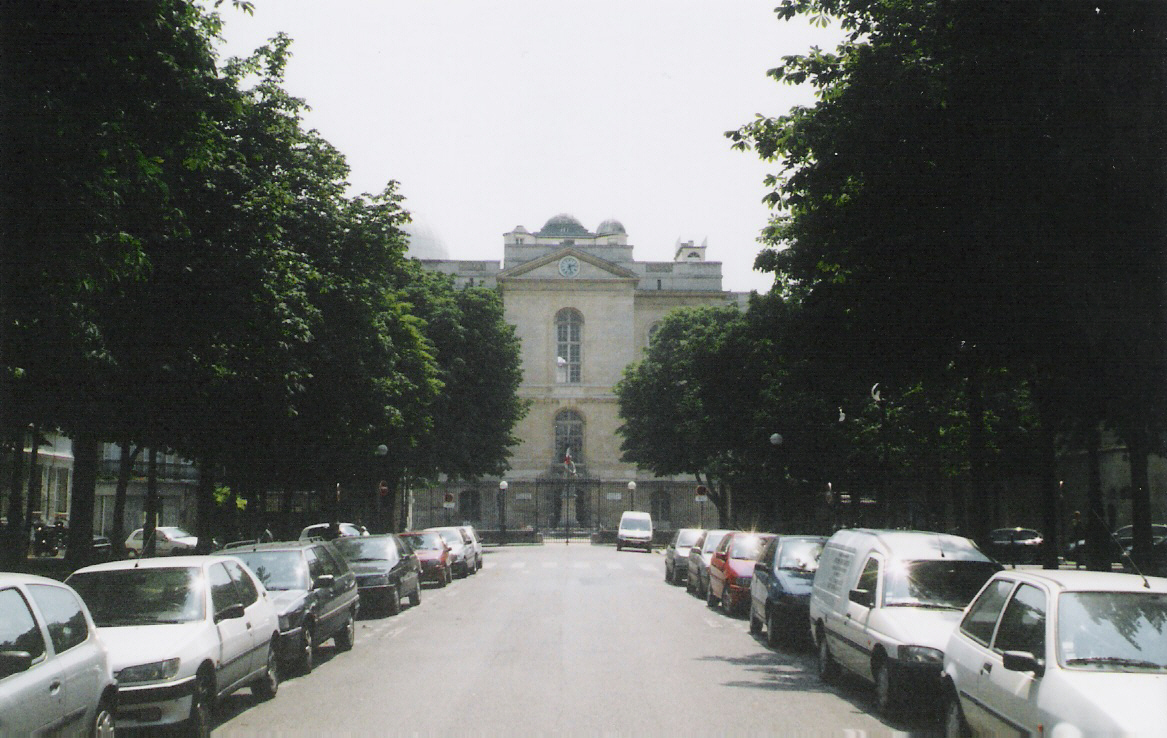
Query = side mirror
x=231 y=612
x=861 y=597
x=1022 y=661
x=14 y=662
x=322 y=581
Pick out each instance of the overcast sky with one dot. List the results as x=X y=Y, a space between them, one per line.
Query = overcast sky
x=493 y=114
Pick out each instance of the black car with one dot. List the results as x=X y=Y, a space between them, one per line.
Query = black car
x=780 y=591
x=313 y=590
x=1015 y=545
x=387 y=570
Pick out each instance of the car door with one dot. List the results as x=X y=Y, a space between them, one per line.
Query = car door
x=75 y=653
x=853 y=629
x=1010 y=697
x=717 y=565
x=326 y=612
x=410 y=566
x=235 y=633
x=764 y=574
x=344 y=585
x=968 y=650
x=257 y=618
x=31 y=701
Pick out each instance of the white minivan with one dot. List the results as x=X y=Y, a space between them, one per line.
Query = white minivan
x=635 y=531
x=884 y=603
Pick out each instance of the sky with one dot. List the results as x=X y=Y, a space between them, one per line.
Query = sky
x=498 y=113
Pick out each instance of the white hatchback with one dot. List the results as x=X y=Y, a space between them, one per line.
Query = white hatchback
x=181 y=632
x=1063 y=653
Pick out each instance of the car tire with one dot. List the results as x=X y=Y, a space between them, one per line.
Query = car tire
x=648 y=550
x=103 y=722
x=828 y=667
x=955 y=726
x=393 y=601
x=347 y=635
x=668 y=575
x=131 y=553
x=202 y=709
x=773 y=628
x=710 y=600
x=307 y=656
x=755 y=621
x=886 y=692
x=415 y=596
x=726 y=602
x=619 y=547
x=268 y=683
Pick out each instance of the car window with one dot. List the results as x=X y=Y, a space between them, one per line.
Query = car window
x=699 y=544
x=1113 y=631
x=141 y=596
x=982 y=615
x=1023 y=622
x=333 y=564
x=869 y=578
x=248 y=594
x=686 y=538
x=723 y=544
x=766 y=557
x=18 y=629
x=402 y=550
x=800 y=555
x=136 y=535
x=64 y=616
x=223 y=590
x=278 y=570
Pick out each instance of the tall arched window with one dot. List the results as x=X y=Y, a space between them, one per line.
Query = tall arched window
x=470 y=505
x=568 y=340
x=662 y=507
x=569 y=433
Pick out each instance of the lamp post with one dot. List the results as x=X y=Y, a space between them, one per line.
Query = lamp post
x=502 y=511
x=632 y=494
x=383 y=487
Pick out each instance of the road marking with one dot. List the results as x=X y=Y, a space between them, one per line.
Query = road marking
x=582 y=565
x=519 y=565
x=550 y=564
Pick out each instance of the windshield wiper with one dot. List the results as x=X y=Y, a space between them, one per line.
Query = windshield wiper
x=370 y=558
x=928 y=605
x=1116 y=661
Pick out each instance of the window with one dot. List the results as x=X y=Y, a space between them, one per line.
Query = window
x=869 y=579
x=63 y=615
x=568 y=340
x=569 y=431
x=248 y=594
x=982 y=616
x=470 y=505
x=18 y=629
x=662 y=506
x=223 y=591
x=652 y=329
x=1023 y=623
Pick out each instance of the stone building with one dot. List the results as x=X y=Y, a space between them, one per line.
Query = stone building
x=584 y=309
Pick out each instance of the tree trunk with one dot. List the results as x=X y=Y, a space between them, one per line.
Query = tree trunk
x=205 y=501
x=1136 y=443
x=118 y=532
x=981 y=517
x=17 y=547
x=1097 y=532
x=151 y=506
x=1048 y=476
x=33 y=491
x=86 y=451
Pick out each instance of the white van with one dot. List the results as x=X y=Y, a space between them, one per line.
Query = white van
x=884 y=603
x=635 y=531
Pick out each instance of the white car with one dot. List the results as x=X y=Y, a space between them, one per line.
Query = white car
x=47 y=638
x=324 y=530
x=169 y=540
x=463 y=558
x=475 y=542
x=181 y=632
x=1061 y=653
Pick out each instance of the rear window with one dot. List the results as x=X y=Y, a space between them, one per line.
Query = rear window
x=942 y=583
x=687 y=538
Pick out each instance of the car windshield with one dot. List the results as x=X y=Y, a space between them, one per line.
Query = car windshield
x=141 y=596
x=687 y=538
x=944 y=583
x=711 y=542
x=745 y=547
x=635 y=524
x=365 y=549
x=1113 y=631
x=176 y=532
x=278 y=570
x=800 y=555
x=451 y=537
x=423 y=541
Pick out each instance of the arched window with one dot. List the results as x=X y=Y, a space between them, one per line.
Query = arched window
x=652 y=329
x=569 y=433
x=470 y=505
x=568 y=340
x=662 y=507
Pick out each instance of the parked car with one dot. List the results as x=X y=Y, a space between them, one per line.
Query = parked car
x=1116 y=544
x=169 y=540
x=328 y=533
x=313 y=591
x=1015 y=545
x=387 y=570
x=433 y=554
x=697 y=579
x=884 y=602
x=182 y=632
x=731 y=570
x=461 y=549
x=1050 y=652
x=475 y=543
x=780 y=591
x=47 y=638
x=635 y=531
x=677 y=554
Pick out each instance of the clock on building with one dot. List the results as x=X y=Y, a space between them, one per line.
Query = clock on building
x=569 y=266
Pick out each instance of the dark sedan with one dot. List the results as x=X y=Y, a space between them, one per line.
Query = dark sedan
x=780 y=592
x=386 y=570
x=314 y=592
x=677 y=554
x=1015 y=545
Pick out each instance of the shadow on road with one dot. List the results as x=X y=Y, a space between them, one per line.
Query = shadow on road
x=237 y=703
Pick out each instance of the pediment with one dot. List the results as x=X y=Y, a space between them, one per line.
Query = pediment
x=548 y=268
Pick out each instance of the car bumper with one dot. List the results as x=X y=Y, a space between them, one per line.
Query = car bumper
x=290 y=644
x=634 y=543
x=156 y=704
x=433 y=574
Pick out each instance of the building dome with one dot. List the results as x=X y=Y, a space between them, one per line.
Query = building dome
x=563 y=226
x=424 y=241
x=611 y=227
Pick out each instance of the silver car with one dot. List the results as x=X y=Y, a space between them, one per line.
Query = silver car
x=55 y=676
x=463 y=558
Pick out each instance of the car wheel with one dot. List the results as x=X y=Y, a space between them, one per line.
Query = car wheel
x=268 y=684
x=709 y=598
x=648 y=550
x=773 y=636
x=347 y=635
x=307 y=650
x=955 y=725
x=755 y=621
x=619 y=547
x=828 y=667
x=886 y=696
x=393 y=604
x=726 y=602
x=131 y=553
x=202 y=707
x=668 y=575
x=103 y=726
x=415 y=597
x=445 y=578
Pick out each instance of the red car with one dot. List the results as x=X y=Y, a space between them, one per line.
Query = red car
x=732 y=569
x=434 y=555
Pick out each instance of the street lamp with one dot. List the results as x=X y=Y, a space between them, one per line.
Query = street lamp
x=383 y=485
x=502 y=510
x=632 y=493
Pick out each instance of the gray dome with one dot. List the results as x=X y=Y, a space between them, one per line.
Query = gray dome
x=611 y=227
x=563 y=226
x=424 y=241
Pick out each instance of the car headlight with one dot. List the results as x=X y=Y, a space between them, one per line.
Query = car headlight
x=157 y=671
x=921 y=655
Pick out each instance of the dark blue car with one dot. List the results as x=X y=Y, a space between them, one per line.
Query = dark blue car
x=780 y=592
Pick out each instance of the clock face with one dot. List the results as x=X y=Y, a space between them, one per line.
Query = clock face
x=569 y=266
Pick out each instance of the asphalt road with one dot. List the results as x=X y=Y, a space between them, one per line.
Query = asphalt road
x=561 y=639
